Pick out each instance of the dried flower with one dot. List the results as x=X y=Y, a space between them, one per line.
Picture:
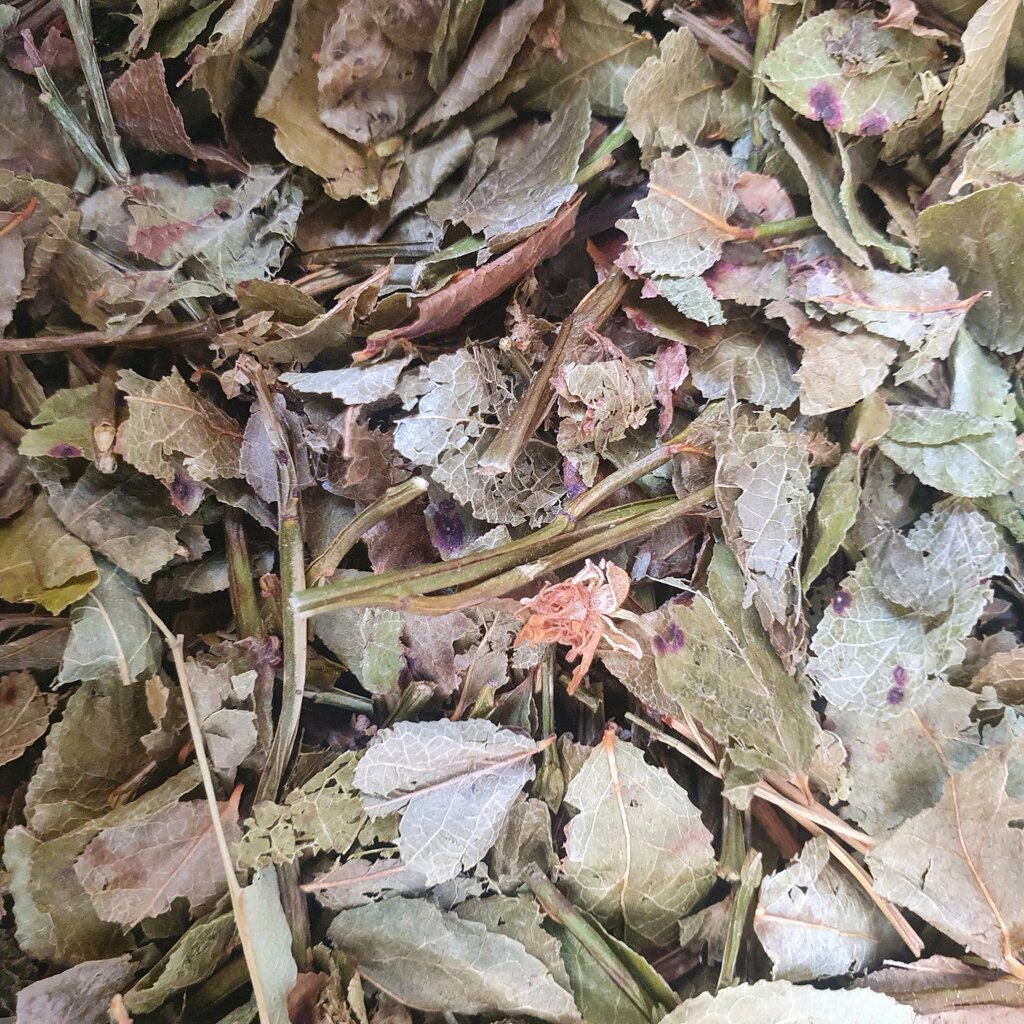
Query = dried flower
x=580 y=612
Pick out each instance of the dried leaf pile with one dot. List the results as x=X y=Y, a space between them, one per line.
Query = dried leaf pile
x=512 y=511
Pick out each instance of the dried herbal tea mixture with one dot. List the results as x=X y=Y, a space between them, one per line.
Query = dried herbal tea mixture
x=511 y=511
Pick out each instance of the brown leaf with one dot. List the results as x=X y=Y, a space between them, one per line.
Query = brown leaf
x=146 y=114
x=447 y=308
x=136 y=870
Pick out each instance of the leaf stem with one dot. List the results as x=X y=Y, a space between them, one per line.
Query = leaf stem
x=559 y=909
x=394 y=498
x=80 y=22
x=776 y=228
x=176 y=646
x=600 y=160
x=78 y=135
x=595 y=307
x=739 y=917
x=240 y=585
x=154 y=336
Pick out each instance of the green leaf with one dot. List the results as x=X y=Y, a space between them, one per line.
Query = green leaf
x=112 y=638
x=674 y=99
x=597 y=50
x=835 y=511
x=454 y=783
x=637 y=855
x=63 y=425
x=978 y=80
x=435 y=961
x=682 y=225
x=41 y=563
x=840 y=69
x=192 y=959
x=814 y=921
x=958 y=453
x=715 y=663
x=489 y=58
x=780 y=1002
x=955 y=865
x=24 y=714
x=763 y=488
x=821 y=175
x=980 y=239
x=323 y=815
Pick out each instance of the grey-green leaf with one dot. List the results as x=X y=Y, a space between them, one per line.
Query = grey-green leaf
x=637 y=855
x=436 y=962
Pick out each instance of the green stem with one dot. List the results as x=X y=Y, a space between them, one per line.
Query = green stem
x=662 y=513
x=502 y=569
x=767 y=28
x=393 y=499
x=80 y=22
x=739 y=917
x=775 y=228
x=51 y=98
x=557 y=907
x=600 y=160
x=240 y=585
x=414 y=698
x=595 y=307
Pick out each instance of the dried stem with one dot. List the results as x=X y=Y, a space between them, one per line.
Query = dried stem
x=394 y=498
x=739 y=917
x=141 y=337
x=176 y=645
x=240 y=585
x=594 y=308
x=80 y=22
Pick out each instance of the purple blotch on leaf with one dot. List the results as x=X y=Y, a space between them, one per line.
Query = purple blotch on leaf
x=840 y=602
x=874 y=123
x=65 y=451
x=448 y=528
x=669 y=642
x=185 y=493
x=898 y=689
x=825 y=105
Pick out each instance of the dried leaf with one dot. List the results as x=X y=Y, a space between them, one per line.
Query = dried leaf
x=637 y=855
x=815 y=921
x=674 y=98
x=136 y=870
x=24 y=714
x=781 y=1002
x=955 y=864
x=436 y=961
x=80 y=993
x=454 y=783
x=323 y=815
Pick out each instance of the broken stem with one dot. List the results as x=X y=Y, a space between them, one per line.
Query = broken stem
x=739 y=917
x=176 y=645
x=595 y=307
x=394 y=498
x=80 y=22
x=601 y=158
x=240 y=585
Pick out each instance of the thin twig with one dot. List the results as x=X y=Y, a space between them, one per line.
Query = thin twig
x=176 y=645
x=140 y=337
